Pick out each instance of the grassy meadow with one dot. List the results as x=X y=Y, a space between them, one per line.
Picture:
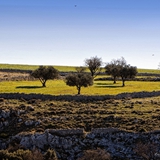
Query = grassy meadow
x=33 y=67
x=63 y=68
x=58 y=87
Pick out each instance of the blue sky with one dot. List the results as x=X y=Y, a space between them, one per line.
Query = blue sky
x=66 y=32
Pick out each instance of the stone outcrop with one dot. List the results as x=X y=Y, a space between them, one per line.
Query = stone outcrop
x=70 y=144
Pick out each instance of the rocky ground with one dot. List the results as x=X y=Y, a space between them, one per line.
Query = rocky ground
x=7 y=76
x=137 y=115
x=37 y=122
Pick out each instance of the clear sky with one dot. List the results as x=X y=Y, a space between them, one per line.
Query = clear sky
x=66 y=32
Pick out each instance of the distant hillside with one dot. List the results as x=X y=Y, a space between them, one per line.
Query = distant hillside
x=60 y=68
x=33 y=67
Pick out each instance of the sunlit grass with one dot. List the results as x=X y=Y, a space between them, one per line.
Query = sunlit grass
x=63 y=68
x=155 y=71
x=33 y=67
x=58 y=87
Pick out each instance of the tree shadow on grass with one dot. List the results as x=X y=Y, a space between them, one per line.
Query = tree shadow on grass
x=29 y=87
x=100 y=84
x=107 y=85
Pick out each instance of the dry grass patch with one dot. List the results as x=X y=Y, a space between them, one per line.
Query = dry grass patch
x=137 y=115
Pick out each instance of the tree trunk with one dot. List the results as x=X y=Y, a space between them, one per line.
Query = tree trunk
x=123 y=82
x=79 y=90
x=92 y=74
x=44 y=84
x=114 y=78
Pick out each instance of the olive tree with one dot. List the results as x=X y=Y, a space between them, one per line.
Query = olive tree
x=94 y=65
x=79 y=79
x=44 y=73
x=120 y=68
x=112 y=69
x=127 y=72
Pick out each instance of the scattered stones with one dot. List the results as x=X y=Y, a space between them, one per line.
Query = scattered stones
x=72 y=142
x=80 y=98
x=29 y=123
x=4 y=114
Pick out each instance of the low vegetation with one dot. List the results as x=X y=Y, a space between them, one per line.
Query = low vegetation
x=136 y=115
x=97 y=154
x=17 y=152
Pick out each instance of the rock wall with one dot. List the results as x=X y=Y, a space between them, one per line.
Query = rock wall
x=70 y=144
x=80 y=98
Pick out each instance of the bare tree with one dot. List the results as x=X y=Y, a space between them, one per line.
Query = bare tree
x=94 y=65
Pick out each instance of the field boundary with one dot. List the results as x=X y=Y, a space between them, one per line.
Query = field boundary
x=79 y=98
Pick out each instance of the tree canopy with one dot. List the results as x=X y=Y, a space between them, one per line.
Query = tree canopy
x=79 y=79
x=127 y=72
x=44 y=73
x=120 y=68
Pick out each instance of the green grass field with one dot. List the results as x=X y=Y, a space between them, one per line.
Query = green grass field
x=33 y=67
x=62 y=68
x=58 y=87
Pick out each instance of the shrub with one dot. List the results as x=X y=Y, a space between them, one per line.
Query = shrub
x=97 y=154
x=18 y=155
x=146 y=150
x=21 y=154
x=33 y=155
x=50 y=155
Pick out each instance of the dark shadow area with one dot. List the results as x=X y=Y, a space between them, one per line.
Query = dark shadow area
x=29 y=87
x=106 y=85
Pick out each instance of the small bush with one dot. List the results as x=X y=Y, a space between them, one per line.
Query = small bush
x=21 y=154
x=98 y=154
x=146 y=150
x=18 y=155
x=50 y=155
x=33 y=155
